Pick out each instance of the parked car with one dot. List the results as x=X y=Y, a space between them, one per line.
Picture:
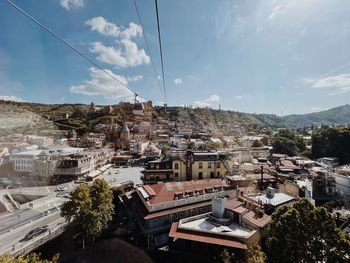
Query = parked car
x=36 y=232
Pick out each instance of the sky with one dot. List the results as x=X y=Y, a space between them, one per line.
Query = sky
x=262 y=56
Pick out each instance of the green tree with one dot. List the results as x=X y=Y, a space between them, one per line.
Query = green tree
x=333 y=142
x=286 y=142
x=31 y=258
x=255 y=254
x=224 y=256
x=301 y=232
x=90 y=208
x=257 y=143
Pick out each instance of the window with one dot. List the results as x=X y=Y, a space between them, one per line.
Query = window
x=211 y=174
x=209 y=165
x=200 y=175
x=218 y=164
x=200 y=165
x=176 y=175
x=218 y=173
x=176 y=166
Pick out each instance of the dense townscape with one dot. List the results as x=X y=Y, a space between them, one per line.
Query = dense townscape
x=174 y=131
x=177 y=190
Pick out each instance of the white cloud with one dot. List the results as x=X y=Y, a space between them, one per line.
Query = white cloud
x=238 y=97
x=201 y=104
x=127 y=55
x=158 y=103
x=340 y=83
x=135 y=78
x=10 y=98
x=101 y=84
x=103 y=27
x=178 y=81
x=207 y=102
x=106 y=28
x=133 y=30
x=70 y=4
x=213 y=99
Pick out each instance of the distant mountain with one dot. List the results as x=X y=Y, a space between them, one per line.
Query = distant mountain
x=335 y=116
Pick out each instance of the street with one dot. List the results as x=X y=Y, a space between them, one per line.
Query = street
x=14 y=226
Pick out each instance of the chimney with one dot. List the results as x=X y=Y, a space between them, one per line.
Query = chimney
x=218 y=207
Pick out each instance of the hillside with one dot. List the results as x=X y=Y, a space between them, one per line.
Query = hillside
x=335 y=116
x=20 y=116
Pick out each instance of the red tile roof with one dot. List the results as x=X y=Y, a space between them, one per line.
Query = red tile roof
x=240 y=210
x=164 y=192
x=202 y=237
x=260 y=222
x=233 y=204
x=146 y=215
x=176 y=210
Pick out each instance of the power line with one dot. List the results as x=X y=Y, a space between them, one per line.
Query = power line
x=161 y=52
x=147 y=46
x=67 y=44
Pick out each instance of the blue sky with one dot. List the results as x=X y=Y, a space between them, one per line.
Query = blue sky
x=261 y=56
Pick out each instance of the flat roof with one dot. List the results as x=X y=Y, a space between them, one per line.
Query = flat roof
x=276 y=200
x=32 y=152
x=175 y=232
x=201 y=224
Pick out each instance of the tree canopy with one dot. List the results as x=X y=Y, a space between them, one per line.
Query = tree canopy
x=257 y=143
x=287 y=142
x=301 y=232
x=90 y=208
x=31 y=258
x=255 y=254
x=334 y=142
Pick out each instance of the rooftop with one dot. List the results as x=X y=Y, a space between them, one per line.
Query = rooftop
x=165 y=192
x=203 y=237
x=201 y=224
x=276 y=200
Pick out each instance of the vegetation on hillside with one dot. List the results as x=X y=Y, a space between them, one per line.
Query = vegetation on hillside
x=287 y=142
x=79 y=118
x=332 y=142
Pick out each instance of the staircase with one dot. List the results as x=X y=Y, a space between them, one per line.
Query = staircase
x=10 y=204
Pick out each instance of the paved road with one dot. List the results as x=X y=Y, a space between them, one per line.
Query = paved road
x=32 y=218
x=12 y=241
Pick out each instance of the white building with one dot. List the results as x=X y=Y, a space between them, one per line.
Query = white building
x=40 y=141
x=23 y=161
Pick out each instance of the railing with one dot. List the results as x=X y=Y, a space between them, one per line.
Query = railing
x=22 y=251
x=29 y=220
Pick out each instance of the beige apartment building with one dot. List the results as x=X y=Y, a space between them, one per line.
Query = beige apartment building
x=186 y=166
